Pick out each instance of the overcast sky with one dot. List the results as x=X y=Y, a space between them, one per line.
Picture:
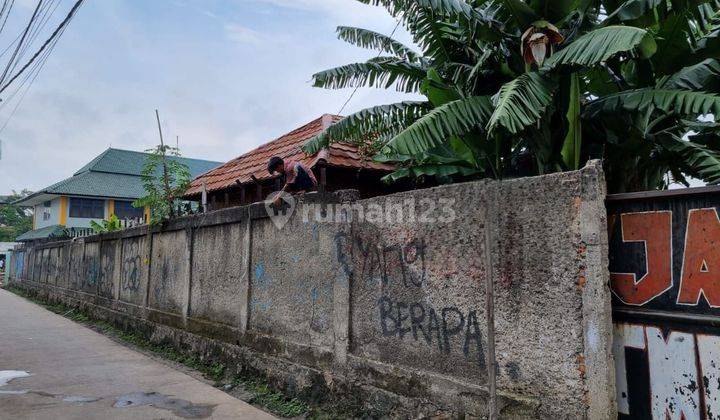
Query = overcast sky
x=226 y=75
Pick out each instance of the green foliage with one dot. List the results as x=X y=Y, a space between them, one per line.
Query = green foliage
x=110 y=225
x=702 y=76
x=451 y=119
x=601 y=44
x=619 y=80
x=680 y=102
x=370 y=39
x=274 y=401
x=633 y=9
x=380 y=72
x=14 y=220
x=520 y=103
x=573 y=140
x=699 y=161
x=385 y=120
x=165 y=178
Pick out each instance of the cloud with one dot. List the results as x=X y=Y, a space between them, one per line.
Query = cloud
x=210 y=14
x=345 y=12
x=241 y=34
x=118 y=62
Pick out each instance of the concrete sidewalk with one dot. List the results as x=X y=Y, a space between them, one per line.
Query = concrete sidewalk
x=76 y=373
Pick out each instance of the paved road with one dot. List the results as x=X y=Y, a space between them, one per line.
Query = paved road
x=76 y=373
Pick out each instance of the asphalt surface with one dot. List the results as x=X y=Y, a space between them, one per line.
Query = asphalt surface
x=76 y=373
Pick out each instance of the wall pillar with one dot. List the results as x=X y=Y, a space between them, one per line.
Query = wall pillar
x=148 y=261
x=245 y=278
x=117 y=272
x=491 y=238
x=341 y=316
x=190 y=238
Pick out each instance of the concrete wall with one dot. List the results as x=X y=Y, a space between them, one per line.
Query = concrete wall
x=453 y=299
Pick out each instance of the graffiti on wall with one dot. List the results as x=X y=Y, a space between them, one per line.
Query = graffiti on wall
x=92 y=272
x=403 y=310
x=161 y=285
x=107 y=270
x=307 y=295
x=131 y=267
x=435 y=328
x=52 y=265
x=700 y=258
x=382 y=261
x=76 y=270
x=261 y=283
x=19 y=264
x=677 y=372
x=665 y=267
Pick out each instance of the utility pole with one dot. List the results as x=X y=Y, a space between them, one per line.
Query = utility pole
x=166 y=179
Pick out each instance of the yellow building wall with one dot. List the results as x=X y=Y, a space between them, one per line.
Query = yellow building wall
x=63 y=211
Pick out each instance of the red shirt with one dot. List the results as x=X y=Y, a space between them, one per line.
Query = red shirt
x=295 y=169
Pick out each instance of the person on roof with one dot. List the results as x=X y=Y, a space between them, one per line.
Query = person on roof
x=298 y=177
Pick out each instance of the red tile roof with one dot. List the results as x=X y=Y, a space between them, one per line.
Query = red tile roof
x=254 y=162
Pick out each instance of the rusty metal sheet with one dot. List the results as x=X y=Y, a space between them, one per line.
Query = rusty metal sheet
x=665 y=279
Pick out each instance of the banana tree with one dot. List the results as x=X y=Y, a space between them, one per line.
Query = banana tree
x=518 y=87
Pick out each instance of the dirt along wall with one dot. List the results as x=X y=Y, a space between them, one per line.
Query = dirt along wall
x=464 y=298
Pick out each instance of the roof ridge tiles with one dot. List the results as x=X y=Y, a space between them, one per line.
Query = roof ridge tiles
x=288 y=146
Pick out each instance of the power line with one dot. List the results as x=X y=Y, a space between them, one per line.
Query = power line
x=9 y=9
x=42 y=20
x=358 y=87
x=7 y=14
x=34 y=73
x=20 y=101
x=10 y=45
x=37 y=65
x=55 y=34
x=30 y=75
x=22 y=39
x=48 y=11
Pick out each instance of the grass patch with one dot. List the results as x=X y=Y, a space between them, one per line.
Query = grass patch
x=274 y=401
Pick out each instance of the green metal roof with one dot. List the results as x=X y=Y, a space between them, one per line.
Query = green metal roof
x=114 y=173
x=99 y=184
x=54 y=231
x=129 y=162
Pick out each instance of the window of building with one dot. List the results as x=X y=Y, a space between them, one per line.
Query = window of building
x=47 y=204
x=87 y=208
x=125 y=210
x=46 y=215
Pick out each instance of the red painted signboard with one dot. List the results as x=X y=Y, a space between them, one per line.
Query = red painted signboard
x=665 y=279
